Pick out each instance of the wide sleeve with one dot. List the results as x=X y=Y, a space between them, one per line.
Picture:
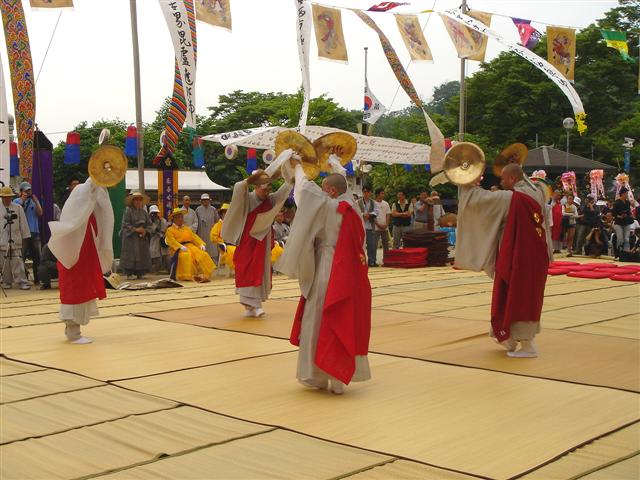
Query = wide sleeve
x=197 y=241
x=236 y=216
x=215 y=236
x=481 y=216
x=127 y=223
x=148 y=227
x=171 y=241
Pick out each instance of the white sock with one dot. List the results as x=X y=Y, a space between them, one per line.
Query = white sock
x=82 y=341
x=527 y=350
x=337 y=387
x=509 y=344
x=259 y=312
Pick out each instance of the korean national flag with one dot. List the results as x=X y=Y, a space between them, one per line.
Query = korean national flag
x=373 y=109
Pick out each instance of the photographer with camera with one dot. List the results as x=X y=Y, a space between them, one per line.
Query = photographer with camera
x=14 y=230
x=588 y=219
x=33 y=211
x=369 y=214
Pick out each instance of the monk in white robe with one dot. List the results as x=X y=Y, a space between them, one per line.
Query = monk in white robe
x=332 y=325
x=247 y=225
x=490 y=227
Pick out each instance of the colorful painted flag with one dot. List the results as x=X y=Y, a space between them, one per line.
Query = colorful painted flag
x=385 y=6
x=131 y=142
x=469 y=43
x=198 y=153
x=214 y=12
x=617 y=40
x=14 y=162
x=479 y=39
x=5 y=151
x=327 y=23
x=561 y=50
x=252 y=160
x=373 y=109
x=411 y=33
x=72 y=149
x=529 y=36
x=51 y=3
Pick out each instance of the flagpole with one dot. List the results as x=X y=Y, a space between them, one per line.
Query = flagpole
x=136 y=76
x=365 y=125
x=463 y=68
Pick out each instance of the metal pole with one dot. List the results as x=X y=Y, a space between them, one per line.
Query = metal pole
x=136 y=76
x=463 y=67
x=566 y=169
x=365 y=125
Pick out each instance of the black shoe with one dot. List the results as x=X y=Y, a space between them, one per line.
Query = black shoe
x=45 y=287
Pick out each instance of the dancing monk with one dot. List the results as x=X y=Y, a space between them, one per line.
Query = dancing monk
x=326 y=252
x=247 y=225
x=506 y=234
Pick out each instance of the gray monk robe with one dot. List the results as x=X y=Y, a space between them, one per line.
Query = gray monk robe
x=308 y=257
x=135 y=255
x=207 y=218
x=481 y=219
x=243 y=203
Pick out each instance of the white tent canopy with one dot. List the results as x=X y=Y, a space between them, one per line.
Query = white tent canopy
x=188 y=180
x=370 y=149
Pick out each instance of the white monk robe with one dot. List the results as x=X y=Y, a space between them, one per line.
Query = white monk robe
x=481 y=218
x=308 y=257
x=242 y=203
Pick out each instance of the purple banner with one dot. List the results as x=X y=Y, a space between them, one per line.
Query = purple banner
x=168 y=197
x=42 y=187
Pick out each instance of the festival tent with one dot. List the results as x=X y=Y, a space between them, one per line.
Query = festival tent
x=370 y=149
x=554 y=162
x=192 y=182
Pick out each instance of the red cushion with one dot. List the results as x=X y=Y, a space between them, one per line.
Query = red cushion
x=627 y=277
x=558 y=271
x=618 y=271
x=581 y=268
x=601 y=265
x=630 y=267
x=561 y=264
x=590 y=274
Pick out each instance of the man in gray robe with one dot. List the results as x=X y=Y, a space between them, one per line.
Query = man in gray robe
x=14 y=228
x=190 y=218
x=135 y=256
x=207 y=218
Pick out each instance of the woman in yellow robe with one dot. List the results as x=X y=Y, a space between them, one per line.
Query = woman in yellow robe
x=193 y=260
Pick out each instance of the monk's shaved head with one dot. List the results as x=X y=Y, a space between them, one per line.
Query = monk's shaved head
x=334 y=184
x=512 y=173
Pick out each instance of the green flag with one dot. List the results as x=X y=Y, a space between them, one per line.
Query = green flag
x=617 y=40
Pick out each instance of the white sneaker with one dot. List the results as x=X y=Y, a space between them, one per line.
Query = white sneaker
x=82 y=341
x=249 y=313
x=25 y=286
x=258 y=312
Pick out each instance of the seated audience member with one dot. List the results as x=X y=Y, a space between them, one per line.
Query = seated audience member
x=190 y=260
x=48 y=268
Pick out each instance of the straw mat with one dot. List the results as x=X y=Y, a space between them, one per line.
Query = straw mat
x=44 y=382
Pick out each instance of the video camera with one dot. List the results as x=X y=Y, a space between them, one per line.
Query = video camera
x=10 y=216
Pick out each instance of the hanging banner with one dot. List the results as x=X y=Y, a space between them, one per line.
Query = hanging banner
x=561 y=50
x=529 y=36
x=373 y=109
x=385 y=6
x=180 y=18
x=617 y=40
x=51 y=3
x=214 y=12
x=436 y=156
x=479 y=40
x=304 y=36
x=469 y=43
x=548 y=69
x=327 y=23
x=22 y=80
x=411 y=33
x=167 y=190
x=5 y=163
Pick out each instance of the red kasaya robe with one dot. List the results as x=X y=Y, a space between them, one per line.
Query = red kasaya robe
x=556 y=215
x=83 y=282
x=346 y=314
x=250 y=254
x=521 y=267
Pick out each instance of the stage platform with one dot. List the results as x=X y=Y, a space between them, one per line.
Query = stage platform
x=178 y=384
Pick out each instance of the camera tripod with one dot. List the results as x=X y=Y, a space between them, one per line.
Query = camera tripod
x=9 y=219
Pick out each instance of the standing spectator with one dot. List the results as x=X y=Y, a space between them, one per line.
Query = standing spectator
x=369 y=214
x=135 y=258
x=33 y=211
x=569 y=216
x=401 y=213
x=280 y=229
x=71 y=184
x=587 y=221
x=622 y=220
x=382 y=220
x=190 y=217
x=438 y=209
x=157 y=248
x=48 y=268
x=421 y=211
x=556 y=221
x=207 y=218
x=289 y=211
x=412 y=202
x=15 y=228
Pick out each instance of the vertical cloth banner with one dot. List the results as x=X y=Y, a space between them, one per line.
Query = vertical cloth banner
x=51 y=3
x=5 y=154
x=42 y=181
x=22 y=80
x=469 y=44
x=436 y=157
x=303 y=31
x=167 y=188
x=617 y=40
x=548 y=69
x=529 y=36
x=180 y=18
x=214 y=12
x=411 y=33
x=373 y=109
x=327 y=23
x=561 y=50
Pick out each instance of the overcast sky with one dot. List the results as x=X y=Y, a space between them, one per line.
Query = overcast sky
x=88 y=72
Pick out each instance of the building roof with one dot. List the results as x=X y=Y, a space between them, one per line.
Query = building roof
x=188 y=180
x=552 y=158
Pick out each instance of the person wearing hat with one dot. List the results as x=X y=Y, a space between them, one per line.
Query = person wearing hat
x=188 y=251
x=33 y=211
x=207 y=218
x=623 y=219
x=15 y=228
x=135 y=256
x=226 y=250
x=157 y=247
x=248 y=226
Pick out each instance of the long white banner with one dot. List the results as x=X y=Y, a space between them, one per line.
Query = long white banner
x=177 y=17
x=303 y=19
x=548 y=69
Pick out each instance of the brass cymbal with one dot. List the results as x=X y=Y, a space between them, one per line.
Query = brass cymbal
x=341 y=144
x=514 y=153
x=107 y=166
x=302 y=147
x=464 y=163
